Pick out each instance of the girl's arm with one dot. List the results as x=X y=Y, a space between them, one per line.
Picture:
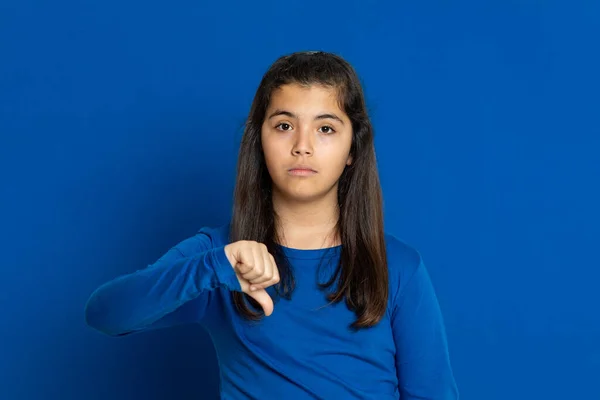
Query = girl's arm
x=422 y=357
x=176 y=289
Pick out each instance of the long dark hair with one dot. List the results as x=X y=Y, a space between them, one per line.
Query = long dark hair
x=361 y=276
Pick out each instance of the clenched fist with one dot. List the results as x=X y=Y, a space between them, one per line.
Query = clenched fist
x=255 y=269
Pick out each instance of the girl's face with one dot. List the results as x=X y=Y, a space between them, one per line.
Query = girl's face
x=306 y=141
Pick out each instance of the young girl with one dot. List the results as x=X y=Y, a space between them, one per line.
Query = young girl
x=302 y=292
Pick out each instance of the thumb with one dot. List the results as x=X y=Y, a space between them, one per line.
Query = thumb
x=263 y=298
x=260 y=295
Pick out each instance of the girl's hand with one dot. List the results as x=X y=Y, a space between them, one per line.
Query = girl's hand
x=255 y=269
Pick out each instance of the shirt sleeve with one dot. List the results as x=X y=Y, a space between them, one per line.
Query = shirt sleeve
x=176 y=289
x=422 y=356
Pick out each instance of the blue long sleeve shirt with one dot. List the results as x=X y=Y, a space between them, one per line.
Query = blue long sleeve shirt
x=304 y=349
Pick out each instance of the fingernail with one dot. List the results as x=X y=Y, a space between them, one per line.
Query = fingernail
x=252 y=288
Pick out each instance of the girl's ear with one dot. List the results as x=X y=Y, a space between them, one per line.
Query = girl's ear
x=349 y=161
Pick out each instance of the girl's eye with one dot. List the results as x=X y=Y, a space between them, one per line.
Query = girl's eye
x=327 y=129
x=283 y=126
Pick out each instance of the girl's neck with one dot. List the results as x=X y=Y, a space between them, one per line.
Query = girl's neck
x=307 y=225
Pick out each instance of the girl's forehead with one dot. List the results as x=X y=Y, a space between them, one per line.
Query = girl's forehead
x=300 y=94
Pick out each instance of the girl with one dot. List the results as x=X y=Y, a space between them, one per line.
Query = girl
x=302 y=292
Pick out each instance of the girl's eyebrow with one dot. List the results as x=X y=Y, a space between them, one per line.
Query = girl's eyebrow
x=292 y=115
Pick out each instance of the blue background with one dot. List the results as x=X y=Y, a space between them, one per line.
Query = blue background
x=119 y=127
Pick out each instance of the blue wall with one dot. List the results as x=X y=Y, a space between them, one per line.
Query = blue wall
x=119 y=124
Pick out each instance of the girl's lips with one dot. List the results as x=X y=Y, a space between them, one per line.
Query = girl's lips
x=302 y=172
